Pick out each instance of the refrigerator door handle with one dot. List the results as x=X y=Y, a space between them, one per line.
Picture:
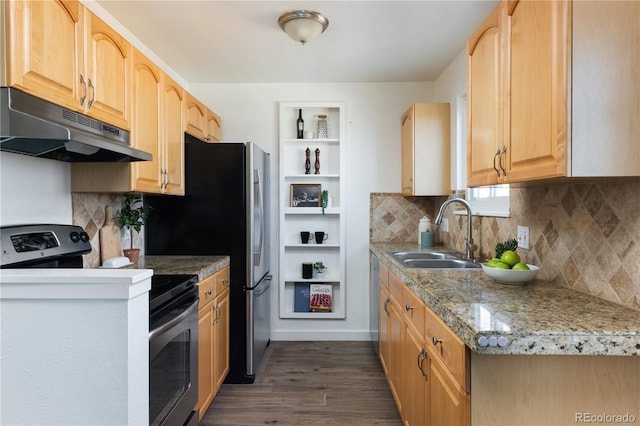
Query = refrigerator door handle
x=258 y=182
x=266 y=285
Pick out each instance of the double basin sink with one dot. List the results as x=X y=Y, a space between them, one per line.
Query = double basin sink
x=433 y=260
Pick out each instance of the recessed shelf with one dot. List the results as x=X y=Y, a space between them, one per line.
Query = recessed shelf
x=294 y=220
x=303 y=141
x=311 y=246
x=312 y=176
x=311 y=210
x=325 y=280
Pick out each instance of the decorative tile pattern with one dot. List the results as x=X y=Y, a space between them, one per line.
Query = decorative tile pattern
x=394 y=217
x=584 y=235
x=88 y=211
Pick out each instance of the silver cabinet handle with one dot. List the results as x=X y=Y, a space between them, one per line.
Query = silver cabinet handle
x=386 y=304
x=494 y=162
x=165 y=179
x=422 y=356
x=408 y=308
x=504 y=152
x=435 y=341
x=93 y=94
x=84 y=85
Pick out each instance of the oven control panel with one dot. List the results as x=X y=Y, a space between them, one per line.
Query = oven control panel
x=34 y=241
x=40 y=243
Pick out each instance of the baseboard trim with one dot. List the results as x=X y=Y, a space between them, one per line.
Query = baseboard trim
x=319 y=335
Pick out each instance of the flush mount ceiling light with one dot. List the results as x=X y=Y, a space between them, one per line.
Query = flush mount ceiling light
x=303 y=25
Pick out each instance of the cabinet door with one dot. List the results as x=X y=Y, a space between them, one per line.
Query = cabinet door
x=221 y=342
x=214 y=127
x=396 y=337
x=484 y=104
x=196 y=117
x=108 y=62
x=384 y=339
x=34 y=30
x=415 y=375
x=205 y=358
x=408 y=138
x=449 y=405
x=172 y=136
x=145 y=132
x=537 y=54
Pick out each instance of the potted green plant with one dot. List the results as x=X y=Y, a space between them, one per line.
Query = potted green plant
x=132 y=217
x=324 y=200
x=319 y=267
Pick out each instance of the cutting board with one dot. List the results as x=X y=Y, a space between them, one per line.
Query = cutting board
x=109 y=237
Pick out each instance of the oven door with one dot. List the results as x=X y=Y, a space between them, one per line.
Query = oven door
x=173 y=366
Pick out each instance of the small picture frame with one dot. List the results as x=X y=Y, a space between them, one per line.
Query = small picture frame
x=305 y=194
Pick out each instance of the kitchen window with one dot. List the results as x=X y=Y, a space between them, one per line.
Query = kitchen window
x=486 y=200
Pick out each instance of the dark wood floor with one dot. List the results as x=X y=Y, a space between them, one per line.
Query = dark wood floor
x=310 y=383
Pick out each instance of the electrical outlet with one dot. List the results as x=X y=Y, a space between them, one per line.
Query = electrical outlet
x=445 y=225
x=523 y=237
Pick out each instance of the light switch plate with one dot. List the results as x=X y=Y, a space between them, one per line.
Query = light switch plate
x=445 y=225
x=523 y=237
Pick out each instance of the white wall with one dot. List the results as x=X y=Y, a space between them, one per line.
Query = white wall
x=34 y=190
x=373 y=111
x=451 y=86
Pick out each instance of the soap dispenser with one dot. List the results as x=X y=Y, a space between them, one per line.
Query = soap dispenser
x=423 y=226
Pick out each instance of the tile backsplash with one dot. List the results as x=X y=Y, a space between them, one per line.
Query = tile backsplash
x=88 y=211
x=584 y=235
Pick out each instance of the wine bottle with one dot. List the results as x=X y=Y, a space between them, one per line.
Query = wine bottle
x=300 y=124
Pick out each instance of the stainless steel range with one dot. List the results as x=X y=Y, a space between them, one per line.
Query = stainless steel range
x=173 y=315
x=173 y=350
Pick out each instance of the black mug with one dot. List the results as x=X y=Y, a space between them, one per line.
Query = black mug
x=320 y=237
x=304 y=237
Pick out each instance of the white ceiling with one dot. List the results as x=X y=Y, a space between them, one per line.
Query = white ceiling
x=241 y=42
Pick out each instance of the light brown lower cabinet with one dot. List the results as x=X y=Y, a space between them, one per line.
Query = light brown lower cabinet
x=426 y=365
x=213 y=337
x=432 y=374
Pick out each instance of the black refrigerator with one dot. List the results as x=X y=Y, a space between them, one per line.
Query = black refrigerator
x=225 y=211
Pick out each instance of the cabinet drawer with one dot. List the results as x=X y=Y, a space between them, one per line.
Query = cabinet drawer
x=414 y=309
x=206 y=291
x=384 y=275
x=222 y=280
x=443 y=343
x=396 y=287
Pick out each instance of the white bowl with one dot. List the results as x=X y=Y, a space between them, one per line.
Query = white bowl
x=509 y=276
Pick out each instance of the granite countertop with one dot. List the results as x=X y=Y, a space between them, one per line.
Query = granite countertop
x=203 y=266
x=538 y=317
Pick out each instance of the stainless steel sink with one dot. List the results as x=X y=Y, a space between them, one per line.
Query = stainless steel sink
x=440 y=264
x=419 y=255
x=433 y=260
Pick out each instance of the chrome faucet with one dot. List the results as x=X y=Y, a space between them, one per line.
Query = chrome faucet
x=469 y=240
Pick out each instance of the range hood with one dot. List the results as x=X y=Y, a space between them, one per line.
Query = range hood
x=33 y=126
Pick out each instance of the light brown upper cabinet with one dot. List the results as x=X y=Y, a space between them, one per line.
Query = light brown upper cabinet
x=484 y=100
x=426 y=150
x=196 y=116
x=158 y=128
x=172 y=135
x=567 y=92
x=146 y=176
x=536 y=57
x=202 y=123
x=90 y=70
x=214 y=127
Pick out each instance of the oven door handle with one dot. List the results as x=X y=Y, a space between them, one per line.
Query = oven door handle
x=175 y=321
